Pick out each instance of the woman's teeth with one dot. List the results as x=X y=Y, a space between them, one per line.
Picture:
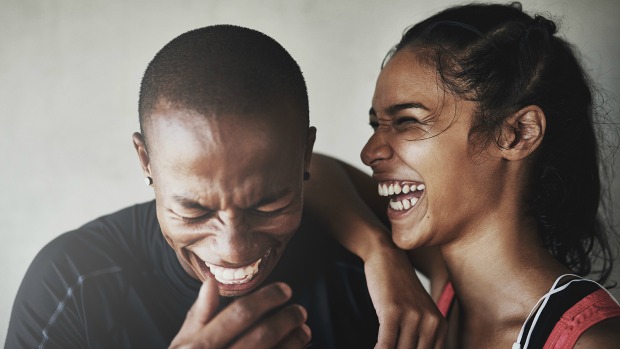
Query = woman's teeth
x=396 y=188
x=404 y=204
x=400 y=200
x=234 y=275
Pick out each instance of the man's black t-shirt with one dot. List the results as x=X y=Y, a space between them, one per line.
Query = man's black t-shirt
x=115 y=283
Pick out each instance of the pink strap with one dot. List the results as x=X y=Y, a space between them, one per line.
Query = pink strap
x=589 y=311
x=445 y=299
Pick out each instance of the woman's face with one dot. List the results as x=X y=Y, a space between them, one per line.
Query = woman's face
x=420 y=155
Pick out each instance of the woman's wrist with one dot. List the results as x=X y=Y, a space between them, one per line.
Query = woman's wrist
x=376 y=242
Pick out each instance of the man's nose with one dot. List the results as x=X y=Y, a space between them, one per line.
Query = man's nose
x=235 y=241
x=376 y=150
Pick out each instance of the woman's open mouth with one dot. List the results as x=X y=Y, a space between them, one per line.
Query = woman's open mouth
x=404 y=195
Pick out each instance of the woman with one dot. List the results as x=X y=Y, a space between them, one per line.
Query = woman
x=484 y=143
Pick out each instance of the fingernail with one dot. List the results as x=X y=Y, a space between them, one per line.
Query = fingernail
x=304 y=313
x=306 y=330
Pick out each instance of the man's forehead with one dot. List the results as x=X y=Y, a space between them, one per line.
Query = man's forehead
x=273 y=122
x=185 y=139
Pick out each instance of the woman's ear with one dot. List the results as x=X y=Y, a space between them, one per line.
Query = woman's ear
x=140 y=145
x=522 y=133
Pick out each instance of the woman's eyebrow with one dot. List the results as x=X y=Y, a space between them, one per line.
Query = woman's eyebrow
x=395 y=108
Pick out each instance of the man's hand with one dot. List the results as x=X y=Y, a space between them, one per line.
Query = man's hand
x=241 y=324
x=408 y=317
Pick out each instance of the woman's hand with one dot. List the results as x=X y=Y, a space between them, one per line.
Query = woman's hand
x=242 y=324
x=408 y=317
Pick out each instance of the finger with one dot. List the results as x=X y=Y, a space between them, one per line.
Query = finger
x=408 y=339
x=432 y=333
x=244 y=312
x=271 y=330
x=299 y=338
x=409 y=335
x=419 y=333
x=442 y=335
x=205 y=306
x=388 y=333
x=208 y=300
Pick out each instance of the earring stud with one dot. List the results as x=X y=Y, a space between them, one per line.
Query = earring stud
x=148 y=181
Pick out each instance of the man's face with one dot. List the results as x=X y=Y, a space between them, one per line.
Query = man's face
x=228 y=191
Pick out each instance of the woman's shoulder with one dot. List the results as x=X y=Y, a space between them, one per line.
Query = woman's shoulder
x=574 y=309
x=604 y=334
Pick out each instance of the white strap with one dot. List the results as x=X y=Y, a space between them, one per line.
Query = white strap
x=538 y=310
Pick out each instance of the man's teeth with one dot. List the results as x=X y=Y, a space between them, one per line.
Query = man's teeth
x=234 y=276
x=395 y=189
x=404 y=204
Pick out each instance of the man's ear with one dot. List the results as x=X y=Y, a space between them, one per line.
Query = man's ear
x=140 y=145
x=522 y=133
x=309 y=147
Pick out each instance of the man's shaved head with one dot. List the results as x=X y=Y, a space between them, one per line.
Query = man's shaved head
x=224 y=111
x=222 y=70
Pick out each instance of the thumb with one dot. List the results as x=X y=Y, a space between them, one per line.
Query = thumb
x=206 y=304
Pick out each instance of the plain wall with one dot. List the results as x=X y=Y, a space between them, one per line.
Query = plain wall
x=70 y=73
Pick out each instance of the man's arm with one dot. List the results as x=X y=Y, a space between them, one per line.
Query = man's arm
x=346 y=201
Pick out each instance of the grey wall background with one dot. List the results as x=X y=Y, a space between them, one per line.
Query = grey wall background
x=69 y=79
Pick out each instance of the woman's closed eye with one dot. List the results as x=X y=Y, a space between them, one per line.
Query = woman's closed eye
x=406 y=120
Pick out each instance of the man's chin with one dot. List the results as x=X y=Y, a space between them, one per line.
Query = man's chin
x=238 y=290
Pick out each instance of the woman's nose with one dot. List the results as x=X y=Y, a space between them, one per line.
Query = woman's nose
x=376 y=150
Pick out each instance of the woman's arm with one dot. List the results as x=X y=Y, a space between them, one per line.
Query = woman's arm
x=346 y=200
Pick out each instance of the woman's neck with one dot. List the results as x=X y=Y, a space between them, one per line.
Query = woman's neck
x=499 y=270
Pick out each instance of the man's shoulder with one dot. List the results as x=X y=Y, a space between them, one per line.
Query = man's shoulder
x=81 y=273
x=95 y=245
x=110 y=233
x=330 y=282
x=315 y=242
x=131 y=219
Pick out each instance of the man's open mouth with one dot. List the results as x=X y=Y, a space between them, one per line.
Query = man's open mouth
x=231 y=276
x=239 y=275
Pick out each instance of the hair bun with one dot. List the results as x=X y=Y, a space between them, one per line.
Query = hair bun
x=545 y=24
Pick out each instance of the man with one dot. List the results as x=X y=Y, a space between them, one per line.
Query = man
x=226 y=146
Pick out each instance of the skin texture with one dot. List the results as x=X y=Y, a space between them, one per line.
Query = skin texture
x=229 y=192
x=426 y=143
x=471 y=207
x=244 y=198
x=407 y=319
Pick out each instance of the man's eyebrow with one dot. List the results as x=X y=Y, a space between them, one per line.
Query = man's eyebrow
x=273 y=198
x=188 y=203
